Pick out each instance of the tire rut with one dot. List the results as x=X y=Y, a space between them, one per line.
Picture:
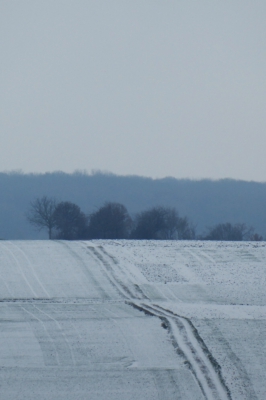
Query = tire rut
x=86 y=271
x=190 y=346
x=108 y=261
x=54 y=333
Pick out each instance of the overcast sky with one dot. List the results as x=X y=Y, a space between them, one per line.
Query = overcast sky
x=146 y=87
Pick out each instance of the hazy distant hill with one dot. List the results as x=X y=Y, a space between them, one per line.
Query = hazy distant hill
x=205 y=202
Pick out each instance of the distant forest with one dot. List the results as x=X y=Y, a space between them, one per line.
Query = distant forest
x=204 y=202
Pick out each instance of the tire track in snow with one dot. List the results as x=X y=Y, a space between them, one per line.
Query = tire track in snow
x=208 y=257
x=7 y=288
x=195 y=256
x=113 y=261
x=129 y=293
x=61 y=333
x=31 y=267
x=43 y=343
x=138 y=292
x=77 y=334
x=109 y=273
x=191 y=347
x=20 y=270
x=88 y=274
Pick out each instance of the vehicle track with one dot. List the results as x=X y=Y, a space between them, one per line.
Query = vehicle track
x=57 y=336
x=20 y=269
x=191 y=347
x=30 y=267
x=128 y=276
x=45 y=339
x=86 y=271
x=132 y=291
x=184 y=335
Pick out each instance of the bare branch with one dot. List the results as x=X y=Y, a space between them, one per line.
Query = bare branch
x=41 y=214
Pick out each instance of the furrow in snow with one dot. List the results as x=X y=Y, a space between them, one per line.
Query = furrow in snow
x=86 y=271
x=61 y=331
x=64 y=353
x=199 y=359
x=45 y=339
x=31 y=267
x=28 y=284
x=127 y=275
x=122 y=289
x=107 y=270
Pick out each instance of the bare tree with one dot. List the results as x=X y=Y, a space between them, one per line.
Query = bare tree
x=256 y=237
x=229 y=232
x=41 y=214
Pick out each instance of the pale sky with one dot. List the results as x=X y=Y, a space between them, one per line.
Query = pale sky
x=146 y=87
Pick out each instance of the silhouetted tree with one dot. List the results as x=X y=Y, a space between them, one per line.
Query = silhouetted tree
x=255 y=237
x=229 y=232
x=111 y=221
x=41 y=214
x=162 y=223
x=70 y=221
x=185 y=230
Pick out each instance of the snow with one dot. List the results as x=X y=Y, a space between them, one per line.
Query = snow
x=132 y=320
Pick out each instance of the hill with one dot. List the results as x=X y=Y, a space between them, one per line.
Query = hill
x=205 y=202
x=153 y=320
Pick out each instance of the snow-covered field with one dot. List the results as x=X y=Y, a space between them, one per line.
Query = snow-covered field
x=157 y=320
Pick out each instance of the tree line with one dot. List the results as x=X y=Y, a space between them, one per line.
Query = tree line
x=205 y=202
x=65 y=220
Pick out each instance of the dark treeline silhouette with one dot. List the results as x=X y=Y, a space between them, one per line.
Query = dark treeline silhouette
x=236 y=232
x=162 y=223
x=206 y=203
x=65 y=220
x=111 y=221
x=70 y=221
